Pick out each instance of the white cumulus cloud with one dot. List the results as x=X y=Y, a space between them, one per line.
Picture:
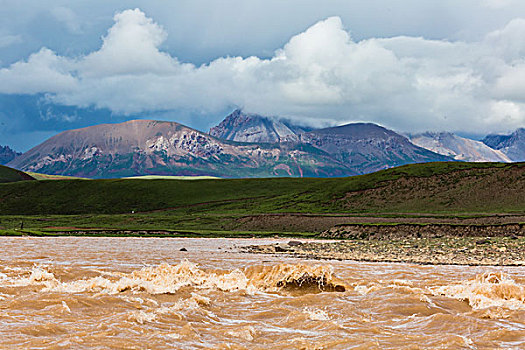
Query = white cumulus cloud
x=42 y=72
x=321 y=76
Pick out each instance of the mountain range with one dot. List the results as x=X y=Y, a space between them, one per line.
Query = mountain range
x=457 y=147
x=142 y=147
x=247 y=145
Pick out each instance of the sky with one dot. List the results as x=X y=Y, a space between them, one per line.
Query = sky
x=408 y=65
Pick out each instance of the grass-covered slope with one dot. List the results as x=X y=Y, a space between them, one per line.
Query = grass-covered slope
x=12 y=175
x=419 y=188
x=38 y=176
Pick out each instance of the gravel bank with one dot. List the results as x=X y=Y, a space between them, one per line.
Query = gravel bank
x=497 y=251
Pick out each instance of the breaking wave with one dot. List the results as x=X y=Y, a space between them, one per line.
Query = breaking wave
x=294 y=277
x=487 y=290
x=168 y=279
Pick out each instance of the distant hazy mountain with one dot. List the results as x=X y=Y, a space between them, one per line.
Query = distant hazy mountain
x=7 y=154
x=513 y=145
x=142 y=147
x=367 y=147
x=457 y=147
x=245 y=127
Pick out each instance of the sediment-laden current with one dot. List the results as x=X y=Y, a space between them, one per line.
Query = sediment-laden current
x=141 y=293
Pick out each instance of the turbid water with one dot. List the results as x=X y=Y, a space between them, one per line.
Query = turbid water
x=132 y=293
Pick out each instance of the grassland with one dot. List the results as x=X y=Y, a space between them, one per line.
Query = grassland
x=420 y=188
x=289 y=206
x=162 y=177
x=38 y=176
x=12 y=175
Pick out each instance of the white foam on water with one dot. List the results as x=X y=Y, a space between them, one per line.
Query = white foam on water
x=315 y=314
x=487 y=290
x=66 y=307
x=246 y=333
x=168 y=279
x=141 y=316
x=365 y=289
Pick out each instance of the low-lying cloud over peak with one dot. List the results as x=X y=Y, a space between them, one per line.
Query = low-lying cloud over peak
x=320 y=76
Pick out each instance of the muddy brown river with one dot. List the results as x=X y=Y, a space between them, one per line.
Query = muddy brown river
x=141 y=293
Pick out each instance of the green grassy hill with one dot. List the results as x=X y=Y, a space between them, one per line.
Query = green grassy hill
x=12 y=175
x=162 y=177
x=39 y=176
x=419 y=188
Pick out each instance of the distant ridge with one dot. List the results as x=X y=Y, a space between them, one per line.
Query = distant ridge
x=368 y=147
x=362 y=147
x=457 y=147
x=442 y=187
x=356 y=131
x=513 y=145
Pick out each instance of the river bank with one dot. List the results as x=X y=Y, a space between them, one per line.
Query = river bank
x=433 y=242
x=473 y=251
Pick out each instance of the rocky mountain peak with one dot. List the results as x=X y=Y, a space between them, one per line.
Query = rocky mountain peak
x=512 y=145
x=247 y=127
x=7 y=154
x=143 y=147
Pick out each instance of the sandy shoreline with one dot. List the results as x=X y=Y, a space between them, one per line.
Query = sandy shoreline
x=473 y=251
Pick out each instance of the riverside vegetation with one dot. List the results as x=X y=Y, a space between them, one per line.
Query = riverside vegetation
x=431 y=193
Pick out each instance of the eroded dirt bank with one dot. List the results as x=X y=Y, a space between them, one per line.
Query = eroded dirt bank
x=287 y=222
